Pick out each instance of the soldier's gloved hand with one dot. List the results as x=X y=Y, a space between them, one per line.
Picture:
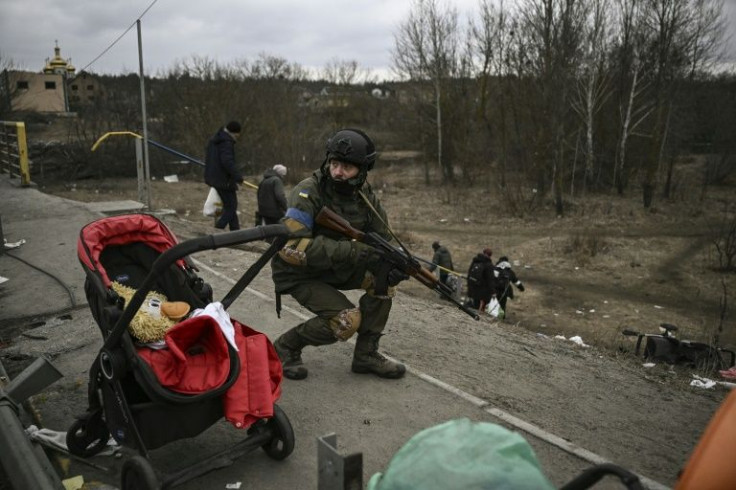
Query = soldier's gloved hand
x=521 y=287
x=365 y=254
x=395 y=276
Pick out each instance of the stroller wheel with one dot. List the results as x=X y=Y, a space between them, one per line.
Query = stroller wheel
x=138 y=474
x=282 y=443
x=88 y=435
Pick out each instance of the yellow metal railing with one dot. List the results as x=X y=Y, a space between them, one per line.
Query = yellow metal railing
x=14 y=151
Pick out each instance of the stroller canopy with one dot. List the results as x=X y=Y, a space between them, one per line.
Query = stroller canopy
x=121 y=230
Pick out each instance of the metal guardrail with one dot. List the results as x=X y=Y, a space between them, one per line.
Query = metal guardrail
x=14 y=151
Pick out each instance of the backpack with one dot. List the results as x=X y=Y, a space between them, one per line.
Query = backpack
x=475 y=274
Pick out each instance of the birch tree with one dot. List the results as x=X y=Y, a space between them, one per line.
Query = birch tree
x=593 y=81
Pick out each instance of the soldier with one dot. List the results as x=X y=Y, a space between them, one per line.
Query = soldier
x=318 y=264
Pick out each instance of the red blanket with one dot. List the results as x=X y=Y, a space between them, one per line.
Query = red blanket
x=197 y=361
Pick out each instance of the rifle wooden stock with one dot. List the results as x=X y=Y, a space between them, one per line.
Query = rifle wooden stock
x=402 y=260
x=330 y=219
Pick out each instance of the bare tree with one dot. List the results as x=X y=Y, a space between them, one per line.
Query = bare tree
x=425 y=49
x=593 y=81
x=346 y=72
x=680 y=31
x=269 y=67
x=6 y=91
x=494 y=42
x=553 y=30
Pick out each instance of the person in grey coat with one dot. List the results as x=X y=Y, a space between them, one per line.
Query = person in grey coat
x=271 y=196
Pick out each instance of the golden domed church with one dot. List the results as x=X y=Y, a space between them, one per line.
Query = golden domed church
x=59 y=65
x=54 y=89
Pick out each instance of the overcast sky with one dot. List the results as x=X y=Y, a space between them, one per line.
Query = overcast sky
x=308 y=32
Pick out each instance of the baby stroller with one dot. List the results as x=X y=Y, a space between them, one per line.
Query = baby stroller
x=126 y=397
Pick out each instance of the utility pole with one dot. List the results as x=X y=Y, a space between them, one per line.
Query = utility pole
x=145 y=119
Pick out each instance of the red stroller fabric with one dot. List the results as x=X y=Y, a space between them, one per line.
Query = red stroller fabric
x=259 y=384
x=196 y=361
x=121 y=230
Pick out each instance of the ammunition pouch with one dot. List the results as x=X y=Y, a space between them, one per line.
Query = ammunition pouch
x=294 y=252
x=369 y=285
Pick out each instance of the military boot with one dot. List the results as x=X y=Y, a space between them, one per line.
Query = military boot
x=367 y=359
x=289 y=349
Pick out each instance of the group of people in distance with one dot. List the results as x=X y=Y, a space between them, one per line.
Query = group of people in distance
x=486 y=280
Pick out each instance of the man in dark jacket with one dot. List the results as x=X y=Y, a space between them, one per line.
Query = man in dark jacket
x=221 y=172
x=481 y=279
x=443 y=260
x=318 y=264
x=271 y=197
x=504 y=277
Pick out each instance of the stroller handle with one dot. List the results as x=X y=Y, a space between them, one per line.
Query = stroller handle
x=188 y=247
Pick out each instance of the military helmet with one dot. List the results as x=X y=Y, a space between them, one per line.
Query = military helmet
x=352 y=146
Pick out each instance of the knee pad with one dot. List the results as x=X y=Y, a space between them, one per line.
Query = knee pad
x=345 y=324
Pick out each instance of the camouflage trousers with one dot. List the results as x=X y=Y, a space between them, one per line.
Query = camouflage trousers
x=327 y=303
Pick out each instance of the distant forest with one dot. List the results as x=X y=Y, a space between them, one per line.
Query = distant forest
x=545 y=98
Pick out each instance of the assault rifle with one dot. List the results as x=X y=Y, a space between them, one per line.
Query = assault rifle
x=392 y=256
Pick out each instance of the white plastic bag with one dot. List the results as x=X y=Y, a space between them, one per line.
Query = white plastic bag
x=213 y=204
x=494 y=309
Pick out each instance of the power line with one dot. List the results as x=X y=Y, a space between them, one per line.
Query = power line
x=119 y=37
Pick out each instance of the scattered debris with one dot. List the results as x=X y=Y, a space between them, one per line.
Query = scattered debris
x=171 y=178
x=700 y=382
x=73 y=483
x=529 y=351
x=728 y=373
x=659 y=307
x=578 y=340
x=10 y=245
x=233 y=486
x=648 y=365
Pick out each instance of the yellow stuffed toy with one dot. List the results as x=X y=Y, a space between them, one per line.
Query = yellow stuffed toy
x=155 y=316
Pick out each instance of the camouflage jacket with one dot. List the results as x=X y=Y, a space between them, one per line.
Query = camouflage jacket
x=330 y=257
